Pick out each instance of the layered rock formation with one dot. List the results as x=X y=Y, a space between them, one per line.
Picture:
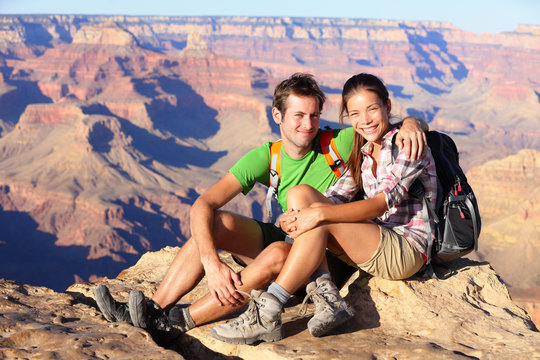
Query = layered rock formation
x=508 y=195
x=101 y=166
x=468 y=315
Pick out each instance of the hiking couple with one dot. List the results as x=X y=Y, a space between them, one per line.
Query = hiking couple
x=392 y=243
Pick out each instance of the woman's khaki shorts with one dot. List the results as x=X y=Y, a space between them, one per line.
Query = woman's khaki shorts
x=395 y=258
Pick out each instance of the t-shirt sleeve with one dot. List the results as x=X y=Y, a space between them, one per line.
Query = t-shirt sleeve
x=253 y=167
x=344 y=142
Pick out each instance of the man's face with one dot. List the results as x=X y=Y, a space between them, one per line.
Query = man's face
x=299 y=124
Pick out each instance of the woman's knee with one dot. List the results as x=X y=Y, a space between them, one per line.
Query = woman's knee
x=301 y=196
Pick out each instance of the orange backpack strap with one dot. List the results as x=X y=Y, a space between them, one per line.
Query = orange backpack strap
x=274 y=176
x=329 y=149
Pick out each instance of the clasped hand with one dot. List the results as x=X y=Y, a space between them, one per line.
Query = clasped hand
x=296 y=222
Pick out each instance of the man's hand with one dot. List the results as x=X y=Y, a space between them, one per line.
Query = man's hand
x=412 y=137
x=287 y=219
x=221 y=283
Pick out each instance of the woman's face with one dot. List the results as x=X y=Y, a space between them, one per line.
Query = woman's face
x=368 y=115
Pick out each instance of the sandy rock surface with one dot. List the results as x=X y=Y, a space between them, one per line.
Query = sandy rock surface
x=468 y=315
x=38 y=323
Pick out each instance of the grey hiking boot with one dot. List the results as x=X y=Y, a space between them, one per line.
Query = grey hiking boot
x=137 y=309
x=146 y=314
x=330 y=308
x=112 y=310
x=260 y=322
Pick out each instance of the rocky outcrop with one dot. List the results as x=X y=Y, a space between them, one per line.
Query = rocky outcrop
x=468 y=315
x=104 y=34
x=38 y=323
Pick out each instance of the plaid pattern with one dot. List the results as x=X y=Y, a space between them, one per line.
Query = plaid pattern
x=404 y=214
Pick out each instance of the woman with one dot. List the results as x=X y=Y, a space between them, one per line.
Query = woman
x=384 y=234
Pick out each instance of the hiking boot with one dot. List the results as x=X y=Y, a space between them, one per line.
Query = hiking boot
x=111 y=309
x=260 y=322
x=330 y=308
x=146 y=314
x=180 y=318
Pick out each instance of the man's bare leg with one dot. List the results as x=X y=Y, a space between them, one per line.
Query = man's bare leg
x=238 y=235
x=257 y=275
x=184 y=273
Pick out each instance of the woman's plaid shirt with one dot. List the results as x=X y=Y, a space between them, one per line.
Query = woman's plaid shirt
x=404 y=214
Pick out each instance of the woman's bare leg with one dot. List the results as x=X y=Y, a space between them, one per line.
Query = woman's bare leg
x=358 y=240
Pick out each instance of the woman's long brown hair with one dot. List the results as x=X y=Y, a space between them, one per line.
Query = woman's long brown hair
x=352 y=86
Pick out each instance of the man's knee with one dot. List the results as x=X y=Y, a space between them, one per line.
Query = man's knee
x=224 y=224
x=274 y=257
x=236 y=233
x=223 y=220
x=299 y=191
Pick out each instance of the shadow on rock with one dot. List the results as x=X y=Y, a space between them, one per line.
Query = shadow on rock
x=189 y=116
x=192 y=348
x=31 y=256
x=295 y=327
x=447 y=270
x=359 y=296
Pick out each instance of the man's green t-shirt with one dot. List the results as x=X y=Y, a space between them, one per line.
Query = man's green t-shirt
x=312 y=169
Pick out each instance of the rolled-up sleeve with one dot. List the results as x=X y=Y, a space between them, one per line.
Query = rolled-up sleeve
x=343 y=190
x=400 y=175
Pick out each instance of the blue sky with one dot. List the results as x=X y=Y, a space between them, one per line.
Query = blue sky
x=473 y=15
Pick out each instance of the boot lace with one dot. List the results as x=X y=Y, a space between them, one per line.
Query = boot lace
x=252 y=315
x=320 y=297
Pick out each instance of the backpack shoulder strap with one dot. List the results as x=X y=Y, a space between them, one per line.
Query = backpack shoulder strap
x=416 y=189
x=329 y=150
x=273 y=177
x=275 y=163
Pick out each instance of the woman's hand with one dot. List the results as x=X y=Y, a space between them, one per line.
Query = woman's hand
x=303 y=220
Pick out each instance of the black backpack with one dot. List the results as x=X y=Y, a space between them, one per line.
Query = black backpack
x=456 y=212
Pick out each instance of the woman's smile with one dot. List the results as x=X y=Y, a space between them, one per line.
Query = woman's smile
x=369 y=130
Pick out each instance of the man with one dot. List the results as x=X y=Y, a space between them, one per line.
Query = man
x=296 y=109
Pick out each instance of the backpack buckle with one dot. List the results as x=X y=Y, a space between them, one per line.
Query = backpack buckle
x=336 y=164
x=274 y=180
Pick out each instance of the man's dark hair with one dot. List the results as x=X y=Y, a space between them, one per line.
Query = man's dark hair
x=299 y=84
